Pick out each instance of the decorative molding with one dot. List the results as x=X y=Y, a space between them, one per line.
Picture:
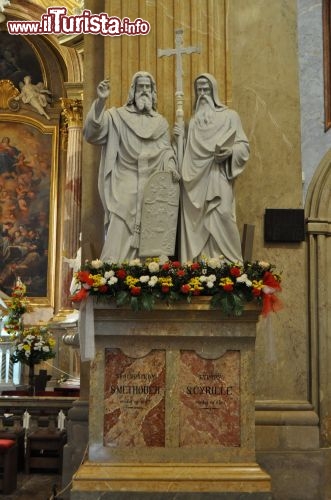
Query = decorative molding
x=8 y=95
x=72 y=110
x=318 y=216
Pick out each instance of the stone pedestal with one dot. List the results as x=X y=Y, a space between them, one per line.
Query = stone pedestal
x=171 y=406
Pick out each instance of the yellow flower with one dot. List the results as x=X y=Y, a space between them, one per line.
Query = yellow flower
x=226 y=281
x=130 y=281
x=98 y=280
x=166 y=281
x=257 y=284
x=195 y=284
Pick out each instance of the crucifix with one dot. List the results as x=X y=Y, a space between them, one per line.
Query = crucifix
x=178 y=51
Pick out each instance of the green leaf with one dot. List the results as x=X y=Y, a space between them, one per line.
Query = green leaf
x=238 y=305
x=122 y=298
x=135 y=304
x=147 y=302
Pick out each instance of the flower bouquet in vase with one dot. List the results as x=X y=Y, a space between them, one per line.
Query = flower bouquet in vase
x=33 y=344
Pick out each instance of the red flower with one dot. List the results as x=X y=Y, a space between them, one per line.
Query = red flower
x=166 y=266
x=165 y=288
x=121 y=274
x=176 y=263
x=84 y=277
x=81 y=295
x=235 y=271
x=135 y=290
x=195 y=266
x=180 y=272
x=256 y=292
x=103 y=288
x=185 y=289
x=228 y=287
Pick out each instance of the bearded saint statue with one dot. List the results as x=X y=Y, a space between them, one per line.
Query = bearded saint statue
x=135 y=144
x=215 y=154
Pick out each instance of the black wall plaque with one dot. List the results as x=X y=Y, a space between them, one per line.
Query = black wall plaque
x=284 y=225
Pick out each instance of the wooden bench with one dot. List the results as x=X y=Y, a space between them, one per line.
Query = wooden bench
x=44 y=450
x=8 y=465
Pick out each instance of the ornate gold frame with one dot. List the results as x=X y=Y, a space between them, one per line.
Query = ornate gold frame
x=54 y=209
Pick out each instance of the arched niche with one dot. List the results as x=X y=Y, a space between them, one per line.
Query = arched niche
x=318 y=217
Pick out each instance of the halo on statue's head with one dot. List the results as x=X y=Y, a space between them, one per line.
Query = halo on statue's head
x=132 y=90
x=213 y=83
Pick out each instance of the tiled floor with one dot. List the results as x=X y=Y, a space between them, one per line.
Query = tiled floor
x=41 y=486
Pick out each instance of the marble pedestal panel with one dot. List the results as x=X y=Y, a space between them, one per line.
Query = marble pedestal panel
x=171 y=404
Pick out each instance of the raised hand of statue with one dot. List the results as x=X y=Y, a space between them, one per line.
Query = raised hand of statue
x=222 y=155
x=103 y=89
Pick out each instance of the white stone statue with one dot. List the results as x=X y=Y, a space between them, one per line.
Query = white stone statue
x=136 y=144
x=34 y=95
x=215 y=154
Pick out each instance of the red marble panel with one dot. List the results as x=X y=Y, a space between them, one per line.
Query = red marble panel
x=209 y=400
x=134 y=399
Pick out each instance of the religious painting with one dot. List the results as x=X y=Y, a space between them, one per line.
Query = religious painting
x=18 y=59
x=28 y=209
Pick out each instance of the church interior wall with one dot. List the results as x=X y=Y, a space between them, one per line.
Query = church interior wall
x=267 y=58
x=315 y=141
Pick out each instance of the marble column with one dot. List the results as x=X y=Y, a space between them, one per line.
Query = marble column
x=72 y=111
x=92 y=211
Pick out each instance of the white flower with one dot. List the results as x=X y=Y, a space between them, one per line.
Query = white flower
x=110 y=261
x=209 y=284
x=152 y=282
x=244 y=279
x=102 y=281
x=112 y=280
x=153 y=267
x=202 y=279
x=109 y=274
x=211 y=278
x=214 y=262
x=46 y=348
x=135 y=262
x=144 y=279
x=263 y=264
x=163 y=259
x=96 y=264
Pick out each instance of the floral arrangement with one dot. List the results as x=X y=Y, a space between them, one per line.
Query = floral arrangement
x=33 y=344
x=230 y=285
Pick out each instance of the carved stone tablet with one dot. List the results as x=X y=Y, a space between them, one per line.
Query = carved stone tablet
x=209 y=400
x=134 y=399
x=159 y=216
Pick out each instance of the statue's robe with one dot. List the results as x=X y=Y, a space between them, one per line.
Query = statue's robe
x=208 y=223
x=135 y=145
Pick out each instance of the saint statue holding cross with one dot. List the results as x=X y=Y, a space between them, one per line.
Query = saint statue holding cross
x=140 y=171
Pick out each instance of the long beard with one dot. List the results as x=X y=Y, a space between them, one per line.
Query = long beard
x=205 y=108
x=144 y=103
